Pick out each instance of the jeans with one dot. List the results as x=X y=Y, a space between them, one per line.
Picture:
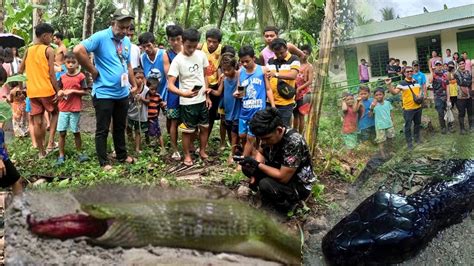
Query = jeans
x=440 y=106
x=286 y=112
x=105 y=110
x=412 y=116
x=282 y=196
x=465 y=106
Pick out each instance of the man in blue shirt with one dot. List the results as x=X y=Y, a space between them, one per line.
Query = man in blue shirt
x=112 y=75
x=419 y=77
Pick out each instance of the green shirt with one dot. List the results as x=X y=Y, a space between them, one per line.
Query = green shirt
x=383 y=120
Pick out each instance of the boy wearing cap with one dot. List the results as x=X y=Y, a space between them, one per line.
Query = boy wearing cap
x=441 y=92
x=112 y=75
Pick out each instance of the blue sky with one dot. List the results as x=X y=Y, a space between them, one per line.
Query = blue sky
x=404 y=8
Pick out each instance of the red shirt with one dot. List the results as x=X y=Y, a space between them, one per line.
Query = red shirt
x=73 y=102
x=349 y=125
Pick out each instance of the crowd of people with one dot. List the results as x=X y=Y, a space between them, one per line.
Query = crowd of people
x=449 y=86
x=193 y=84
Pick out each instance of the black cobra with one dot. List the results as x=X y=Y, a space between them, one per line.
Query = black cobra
x=390 y=228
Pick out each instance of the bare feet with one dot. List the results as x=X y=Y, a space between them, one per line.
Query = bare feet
x=107 y=167
x=203 y=155
x=129 y=160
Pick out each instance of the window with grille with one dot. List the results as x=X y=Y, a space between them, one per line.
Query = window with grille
x=424 y=47
x=378 y=54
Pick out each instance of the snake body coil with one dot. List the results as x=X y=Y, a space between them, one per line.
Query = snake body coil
x=389 y=228
x=213 y=225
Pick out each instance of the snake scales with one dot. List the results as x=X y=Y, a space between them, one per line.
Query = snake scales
x=213 y=225
x=390 y=228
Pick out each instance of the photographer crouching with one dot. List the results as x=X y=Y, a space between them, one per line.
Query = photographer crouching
x=281 y=169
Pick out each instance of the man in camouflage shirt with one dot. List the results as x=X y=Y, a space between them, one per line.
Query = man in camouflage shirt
x=282 y=168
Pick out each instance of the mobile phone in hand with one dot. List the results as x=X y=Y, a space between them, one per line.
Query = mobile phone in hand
x=197 y=88
x=240 y=89
x=238 y=158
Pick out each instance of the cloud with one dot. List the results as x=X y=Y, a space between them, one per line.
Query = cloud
x=404 y=8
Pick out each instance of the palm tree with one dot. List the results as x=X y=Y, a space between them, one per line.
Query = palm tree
x=221 y=17
x=88 y=23
x=387 y=13
x=362 y=20
x=2 y=15
x=186 y=15
x=154 y=9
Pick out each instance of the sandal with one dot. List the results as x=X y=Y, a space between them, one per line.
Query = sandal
x=188 y=163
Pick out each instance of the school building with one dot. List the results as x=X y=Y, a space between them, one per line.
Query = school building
x=406 y=38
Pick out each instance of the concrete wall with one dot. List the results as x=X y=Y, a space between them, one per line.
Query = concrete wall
x=403 y=48
x=449 y=40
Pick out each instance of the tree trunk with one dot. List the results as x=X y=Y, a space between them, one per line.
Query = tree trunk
x=37 y=15
x=154 y=9
x=88 y=23
x=2 y=15
x=186 y=15
x=320 y=75
x=221 y=17
x=138 y=26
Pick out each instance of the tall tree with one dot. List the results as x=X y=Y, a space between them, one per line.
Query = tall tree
x=387 y=13
x=154 y=9
x=321 y=67
x=186 y=15
x=88 y=23
x=221 y=16
x=2 y=15
x=38 y=12
x=362 y=20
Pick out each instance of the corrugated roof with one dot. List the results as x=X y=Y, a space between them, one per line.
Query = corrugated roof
x=420 y=20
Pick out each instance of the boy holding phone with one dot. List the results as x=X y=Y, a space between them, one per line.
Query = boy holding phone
x=190 y=66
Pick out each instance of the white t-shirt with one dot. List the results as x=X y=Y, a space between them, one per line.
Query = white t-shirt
x=190 y=71
x=447 y=59
x=134 y=55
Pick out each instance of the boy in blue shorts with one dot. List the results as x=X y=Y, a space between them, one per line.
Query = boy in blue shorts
x=255 y=89
x=231 y=105
x=72 y=87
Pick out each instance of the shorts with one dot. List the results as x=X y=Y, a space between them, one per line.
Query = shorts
x=244 y=127
x=42 y=104
x=232 y=126
x=173 y=113
x=12 y=175
x=367 y=134
x=192 y=116
x=383 y=134
x=350 y=140
x=286 y=113
x=135 y=125
x=213 y=115
x=27 y=105
x=154 y=129
x=68 y=120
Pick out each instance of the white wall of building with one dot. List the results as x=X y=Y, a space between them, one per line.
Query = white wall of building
x=449 y=40
x=403 y=48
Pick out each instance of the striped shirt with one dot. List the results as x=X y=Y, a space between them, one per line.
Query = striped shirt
x=408 y=103
x=154 y=106
x=283 y=67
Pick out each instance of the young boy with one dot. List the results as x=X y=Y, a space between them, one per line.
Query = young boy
x=152 y=60
x=73 y=87
x=138 y=109
x=154 y=106
x=228 y=86
x=363 y=71
x=174 y=34
x=256 y=91
x=350 y=111
x=190 y=66
x=9 y=176
x=382 y=110
x=366 y=122
x=41 y=86
x=269 y=34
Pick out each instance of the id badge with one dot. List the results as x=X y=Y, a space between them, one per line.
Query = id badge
x=124 y=80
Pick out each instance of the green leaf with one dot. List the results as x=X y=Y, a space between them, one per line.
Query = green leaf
x=16 y=78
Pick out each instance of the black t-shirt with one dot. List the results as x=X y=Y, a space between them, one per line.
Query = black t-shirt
x=293 y=152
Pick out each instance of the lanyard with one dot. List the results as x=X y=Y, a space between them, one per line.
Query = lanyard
x=119 y=49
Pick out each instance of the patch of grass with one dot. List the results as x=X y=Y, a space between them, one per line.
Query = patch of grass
x=233 y=179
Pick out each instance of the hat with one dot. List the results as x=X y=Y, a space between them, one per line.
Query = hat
x=155 y=73
x=121 y=14
x=415 y=63
x=438 y=62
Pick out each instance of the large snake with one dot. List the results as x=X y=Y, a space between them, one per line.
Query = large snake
x=390 y=228
x=213 y=225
